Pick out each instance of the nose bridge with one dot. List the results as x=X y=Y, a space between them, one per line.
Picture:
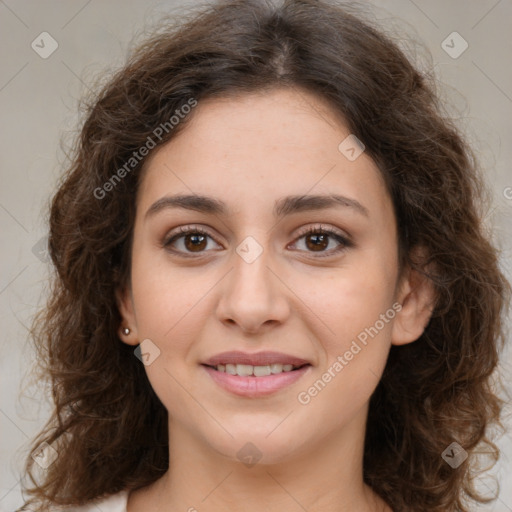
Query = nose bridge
x=252 y=295
x=251 y=273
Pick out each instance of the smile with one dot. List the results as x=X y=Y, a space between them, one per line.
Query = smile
x=247 y=370
x=255 y=381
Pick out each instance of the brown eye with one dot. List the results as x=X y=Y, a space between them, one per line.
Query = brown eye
x=189 y=240
x=195 y=242
x=318 y=239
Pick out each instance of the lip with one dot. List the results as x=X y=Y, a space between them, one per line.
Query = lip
x=256 y=359
x=254 y=387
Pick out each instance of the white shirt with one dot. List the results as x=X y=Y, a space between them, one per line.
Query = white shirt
x=114 y=503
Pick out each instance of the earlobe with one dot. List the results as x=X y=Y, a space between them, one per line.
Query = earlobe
x=127 y=330
x=417 y=296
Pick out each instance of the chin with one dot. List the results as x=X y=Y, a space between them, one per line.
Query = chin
x=254 y=447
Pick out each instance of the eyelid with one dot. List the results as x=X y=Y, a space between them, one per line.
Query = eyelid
x=324 y=229
x=181 y=231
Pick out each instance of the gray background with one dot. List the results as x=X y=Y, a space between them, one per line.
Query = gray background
x=38 y=102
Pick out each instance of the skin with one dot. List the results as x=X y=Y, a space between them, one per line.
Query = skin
x=249 y=151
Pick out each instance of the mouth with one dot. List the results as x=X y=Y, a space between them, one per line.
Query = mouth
x=256 y=381
x=248 y=370
x=255 y=375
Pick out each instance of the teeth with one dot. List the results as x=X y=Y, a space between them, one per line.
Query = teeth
x=246 y=370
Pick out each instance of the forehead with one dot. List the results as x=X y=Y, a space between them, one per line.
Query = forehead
x=257 y=147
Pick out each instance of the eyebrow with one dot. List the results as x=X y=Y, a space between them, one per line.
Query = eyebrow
x=282 y=207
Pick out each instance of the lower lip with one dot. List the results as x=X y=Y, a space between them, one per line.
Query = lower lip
x=255 y=386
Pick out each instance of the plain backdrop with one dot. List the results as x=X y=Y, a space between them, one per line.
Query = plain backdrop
x=38 y=102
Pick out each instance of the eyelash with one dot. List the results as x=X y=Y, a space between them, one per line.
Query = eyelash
x=345 y=242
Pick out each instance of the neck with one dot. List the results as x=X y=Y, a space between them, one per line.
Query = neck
x=325 y=477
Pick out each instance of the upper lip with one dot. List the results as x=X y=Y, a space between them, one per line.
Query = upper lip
x=256 y=359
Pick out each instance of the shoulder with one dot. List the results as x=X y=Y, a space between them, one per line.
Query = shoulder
x=113 y=503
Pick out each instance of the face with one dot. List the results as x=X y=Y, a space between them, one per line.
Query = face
x=258 y=267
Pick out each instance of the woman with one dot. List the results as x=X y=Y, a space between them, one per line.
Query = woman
x=272 y=286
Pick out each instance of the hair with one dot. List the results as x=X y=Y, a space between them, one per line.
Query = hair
x=108 y=426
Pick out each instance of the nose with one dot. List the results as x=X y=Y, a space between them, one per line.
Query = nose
x=253 y=296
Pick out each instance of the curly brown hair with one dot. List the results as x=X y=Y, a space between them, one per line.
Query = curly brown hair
x=108 y=426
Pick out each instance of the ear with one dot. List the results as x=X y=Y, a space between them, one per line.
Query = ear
x=416 y=294
x=124 y=299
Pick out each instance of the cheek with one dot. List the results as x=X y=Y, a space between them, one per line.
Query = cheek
x=353 y=322
x=355 y=348
x=166 y=302
x=167 y=313
x=350 y=299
